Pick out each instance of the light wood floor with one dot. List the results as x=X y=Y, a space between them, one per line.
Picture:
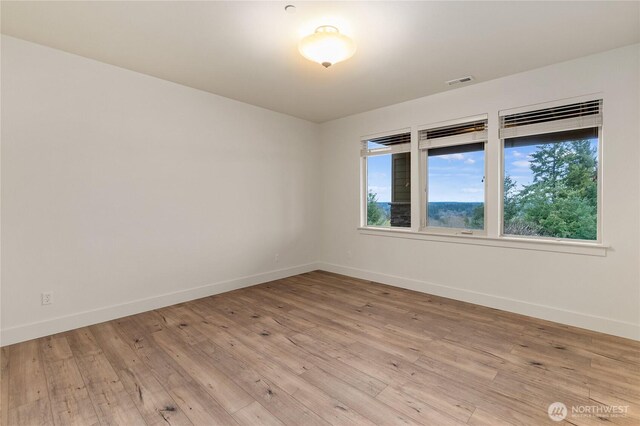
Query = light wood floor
x=317 y=349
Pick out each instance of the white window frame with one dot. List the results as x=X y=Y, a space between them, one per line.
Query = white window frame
x=599 y=210
x=364 y=184
x=494 y=184
x=424 y=178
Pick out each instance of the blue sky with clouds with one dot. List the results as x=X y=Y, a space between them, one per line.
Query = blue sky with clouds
x=379 y=176
x=456 y=177
x=453 y=177
x=516 y=164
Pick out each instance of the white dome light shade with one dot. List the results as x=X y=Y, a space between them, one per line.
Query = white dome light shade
x=327 y=46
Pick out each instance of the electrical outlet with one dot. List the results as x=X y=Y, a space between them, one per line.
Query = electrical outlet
x=47 y=298
x=277 y=258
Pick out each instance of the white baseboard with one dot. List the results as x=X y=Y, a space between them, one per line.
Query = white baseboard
x=576 y=319
x=34 y=330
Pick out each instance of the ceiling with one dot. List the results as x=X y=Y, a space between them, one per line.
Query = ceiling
x=248 y=50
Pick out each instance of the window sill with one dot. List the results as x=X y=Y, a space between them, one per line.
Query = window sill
x=583 y=248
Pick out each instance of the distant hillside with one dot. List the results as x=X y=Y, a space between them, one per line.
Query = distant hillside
x=453 y=207
x=445 y=213
x=453 y=214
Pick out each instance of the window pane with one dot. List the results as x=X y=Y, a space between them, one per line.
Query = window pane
x=389 y=190
x=551 y=185
x=456 y=187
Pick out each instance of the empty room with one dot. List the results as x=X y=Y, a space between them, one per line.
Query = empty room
x=319 y=213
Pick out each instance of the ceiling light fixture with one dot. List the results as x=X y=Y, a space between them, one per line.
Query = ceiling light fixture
x=327 y=46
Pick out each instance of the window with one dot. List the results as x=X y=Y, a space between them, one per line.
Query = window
x=387 y=174
x=454 y=162
x=543 y=192
x=551 y=172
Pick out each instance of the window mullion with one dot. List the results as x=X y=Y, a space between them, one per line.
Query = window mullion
x=363 y=191
x=416 y=185
x=493 y=178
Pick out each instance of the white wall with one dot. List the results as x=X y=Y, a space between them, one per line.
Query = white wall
x=122 y=192
x=601 y=293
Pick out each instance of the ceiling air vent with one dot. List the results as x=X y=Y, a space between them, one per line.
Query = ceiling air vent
x=460 y=80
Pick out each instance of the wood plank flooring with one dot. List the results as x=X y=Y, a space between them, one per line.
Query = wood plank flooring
x=319 y=349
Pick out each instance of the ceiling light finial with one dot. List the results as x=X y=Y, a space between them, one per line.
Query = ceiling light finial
x=327 y=46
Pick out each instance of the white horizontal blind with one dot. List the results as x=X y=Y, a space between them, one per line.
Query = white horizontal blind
x=392 y=144
x=457 y=134
x=566 y=117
